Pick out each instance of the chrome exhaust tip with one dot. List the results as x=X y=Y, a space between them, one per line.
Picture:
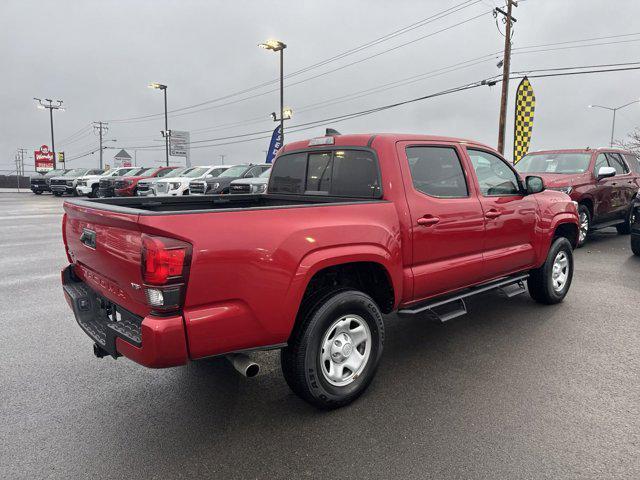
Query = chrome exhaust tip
x=243 y=364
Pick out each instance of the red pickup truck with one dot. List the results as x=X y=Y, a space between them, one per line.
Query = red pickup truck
x=351 y=227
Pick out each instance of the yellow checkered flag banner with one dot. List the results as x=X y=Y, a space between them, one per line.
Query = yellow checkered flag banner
x=525 y=108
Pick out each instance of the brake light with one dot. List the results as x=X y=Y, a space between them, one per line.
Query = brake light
x=163 y=259
x=165 y=266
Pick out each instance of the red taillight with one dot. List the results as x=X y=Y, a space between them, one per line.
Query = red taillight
x=164 y=259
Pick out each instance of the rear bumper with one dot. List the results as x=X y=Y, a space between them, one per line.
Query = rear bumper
x=155 y=342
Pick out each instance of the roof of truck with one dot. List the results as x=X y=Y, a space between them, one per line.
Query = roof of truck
x=368 y=139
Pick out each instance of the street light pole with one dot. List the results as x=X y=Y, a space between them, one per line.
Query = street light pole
x=282 y=94
x=166 y=127
x=278 y=46
x=51 y=107
x=166 y=133
x=614 y=110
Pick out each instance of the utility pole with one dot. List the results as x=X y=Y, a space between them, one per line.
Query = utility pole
x=47 y=103
x=21 y=154
x=100 y=127
x=222 y=158
x=508 y=20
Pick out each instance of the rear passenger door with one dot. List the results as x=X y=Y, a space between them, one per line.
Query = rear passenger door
x=623 y=185
x=446 y=216
x=509 y=215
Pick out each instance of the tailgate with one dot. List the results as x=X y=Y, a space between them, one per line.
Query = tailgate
x=105 y=246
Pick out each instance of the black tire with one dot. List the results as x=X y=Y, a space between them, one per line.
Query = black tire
x=301 y=362
x=38 y=192
x=57 y=194
x=94 y=191
x=583 y=235
x=541 y=280
x=635 y=244
x=625 y=228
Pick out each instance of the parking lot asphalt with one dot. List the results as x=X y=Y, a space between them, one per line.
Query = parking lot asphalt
x=512 y=390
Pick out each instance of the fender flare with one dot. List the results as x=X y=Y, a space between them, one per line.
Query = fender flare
x=323 y=258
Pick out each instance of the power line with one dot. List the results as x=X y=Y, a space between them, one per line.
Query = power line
x=324 y=62
x=349 y=116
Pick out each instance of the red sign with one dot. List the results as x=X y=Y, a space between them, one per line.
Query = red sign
x=43 y=159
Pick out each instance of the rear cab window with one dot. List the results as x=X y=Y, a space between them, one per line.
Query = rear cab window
x=338 y=172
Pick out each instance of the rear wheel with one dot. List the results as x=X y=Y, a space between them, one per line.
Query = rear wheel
x=585 y=224
x=625 y=228
x=635 y=244
x=335 y=349
x=550 y=283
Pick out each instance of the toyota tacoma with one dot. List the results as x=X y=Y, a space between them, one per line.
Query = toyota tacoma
x=351 y=227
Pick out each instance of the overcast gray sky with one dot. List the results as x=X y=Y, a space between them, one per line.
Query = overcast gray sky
x=98 y=56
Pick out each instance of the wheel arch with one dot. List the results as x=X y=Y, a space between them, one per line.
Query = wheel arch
x=369 y=268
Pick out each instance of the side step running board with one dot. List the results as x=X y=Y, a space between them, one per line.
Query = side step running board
x=454 y=306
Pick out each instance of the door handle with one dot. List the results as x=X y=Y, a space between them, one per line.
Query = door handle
x=491 y=214
x=427 y=221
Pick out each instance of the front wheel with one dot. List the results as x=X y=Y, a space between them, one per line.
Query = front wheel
x=38 y=192
x=335 y=349
x=94 y=192
x=585 y=225
x=550 y=283
x=57 y=194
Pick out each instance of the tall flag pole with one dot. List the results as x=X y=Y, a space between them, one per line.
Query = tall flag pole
x=523 y=119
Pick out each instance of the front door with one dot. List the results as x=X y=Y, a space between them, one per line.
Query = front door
x=447 y=218
x=510 y=216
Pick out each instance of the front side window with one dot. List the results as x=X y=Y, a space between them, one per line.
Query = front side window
x=340 y=173
x=437 y=172
x=601 y=161
x=495 y=178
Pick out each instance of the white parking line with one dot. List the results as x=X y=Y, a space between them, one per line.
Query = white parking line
x=24 y=217
x=34 y=278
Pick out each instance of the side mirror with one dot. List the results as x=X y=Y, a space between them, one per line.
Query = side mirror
x=534 y=184
x=605 y=172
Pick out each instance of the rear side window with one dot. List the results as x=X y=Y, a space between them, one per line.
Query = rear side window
x=340 y=173
x=437 y=172
x=616 y=162
x=632 y=161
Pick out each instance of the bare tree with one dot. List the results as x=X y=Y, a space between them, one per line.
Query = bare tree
x=631 y=142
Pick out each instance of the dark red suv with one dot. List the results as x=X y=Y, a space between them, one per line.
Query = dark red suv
x=603 y=181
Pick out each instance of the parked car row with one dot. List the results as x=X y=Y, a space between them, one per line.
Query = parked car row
x=156 y=181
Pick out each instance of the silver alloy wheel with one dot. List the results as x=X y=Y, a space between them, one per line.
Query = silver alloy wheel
x=584 y=227
x=560 y=272
x=345 y=350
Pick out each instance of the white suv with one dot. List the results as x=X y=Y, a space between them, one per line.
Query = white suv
x=179 y=185
x=89 y=184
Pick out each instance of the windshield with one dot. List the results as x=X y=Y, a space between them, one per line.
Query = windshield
x=55 y=173
x=166 y=172
x=180 y=172
x=217 y=171
x=554 y=163
x=136 y=171
x=196 y=172
x=117 y=172
x=236 y=171
x=76 y=172
x=265 y=174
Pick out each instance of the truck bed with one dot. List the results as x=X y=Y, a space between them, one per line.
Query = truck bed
x=211 y=203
